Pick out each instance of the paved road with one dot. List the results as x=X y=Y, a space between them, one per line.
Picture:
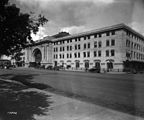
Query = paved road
x=121 y=92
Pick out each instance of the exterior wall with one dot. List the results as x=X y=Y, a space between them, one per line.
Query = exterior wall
x=134 y=46
x=118 y=48
x=70 y=51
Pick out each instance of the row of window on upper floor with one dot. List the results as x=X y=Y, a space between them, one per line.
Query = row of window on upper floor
x=76 y=39
x=108 y=53
x=134 y=36
x=86 y=46
x=135 y=46
x=135 y=55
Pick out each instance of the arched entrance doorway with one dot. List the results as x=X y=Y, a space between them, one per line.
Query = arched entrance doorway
x=68 y=64
x=37 y=55
x=97 y=64
x=86 y=64
x=77 y=64
x=110 y=64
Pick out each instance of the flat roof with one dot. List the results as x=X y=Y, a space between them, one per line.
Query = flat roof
x=91 y=32
x=101 y=30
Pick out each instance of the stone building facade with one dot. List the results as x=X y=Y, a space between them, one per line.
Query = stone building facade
x=115 y=47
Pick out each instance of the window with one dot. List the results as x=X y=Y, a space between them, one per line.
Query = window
x=88 y=36
x=84 y=37
x=77 y=64
x=132 y=45
x=99 y=35
x=60 y=49
x=63 y=48
x=95 y=53
x=67 y=55
x=79 y=39
x=78 y=55
x=70 y=55
x=63 y=55
x=84 y=54
x=70 y=47
x=112 y=42
x=75 y=47
x=107 y=53
x=67 y=48
x=107 y=33
x=112 y=53
x=88 y=45
x=79 y=47
x=99 y=53
x=75 y=55
x=135 y=46
x=100 y=44
x=88 y=54
x=95 y=35
x=113 y=32
x=107 y=42
x=85 y=46
x=60 y=56
x=127 y=43
x=95 y=44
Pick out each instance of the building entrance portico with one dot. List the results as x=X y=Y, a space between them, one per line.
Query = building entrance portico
x=37 y=55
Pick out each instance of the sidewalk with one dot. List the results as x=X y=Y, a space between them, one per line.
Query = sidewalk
x=64 y=108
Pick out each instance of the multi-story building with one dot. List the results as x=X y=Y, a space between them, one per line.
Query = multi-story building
x=111 y=48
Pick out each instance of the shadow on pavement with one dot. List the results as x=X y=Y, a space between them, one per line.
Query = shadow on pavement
x=17 y=102
x=26 y=80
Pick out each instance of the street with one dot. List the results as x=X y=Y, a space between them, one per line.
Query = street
x=120 y=92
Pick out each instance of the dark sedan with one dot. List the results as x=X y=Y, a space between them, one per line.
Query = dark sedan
x=97 y=70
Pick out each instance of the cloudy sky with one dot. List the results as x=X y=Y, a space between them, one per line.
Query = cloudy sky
x=76 y=16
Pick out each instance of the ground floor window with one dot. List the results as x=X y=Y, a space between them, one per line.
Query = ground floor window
x=77 y=64
x=55 y=63
x=86 y=65
x=109 y=65
x=97 y=64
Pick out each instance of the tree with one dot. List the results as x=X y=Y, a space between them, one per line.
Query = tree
x=16 y=28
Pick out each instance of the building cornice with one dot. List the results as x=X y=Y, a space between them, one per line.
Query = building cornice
x=91 y=32
x=101 y=30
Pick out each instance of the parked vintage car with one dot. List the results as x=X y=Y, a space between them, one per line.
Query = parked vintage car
x=5 y=64
x=50 y=67
x=97 y=70
x=56 y=68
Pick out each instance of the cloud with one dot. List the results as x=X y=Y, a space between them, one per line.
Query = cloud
x=137 y=21
x=76 y=16
x=137 y=27
x=47 y=1
x=40 y=34
x=43 y=4
x=74 y=29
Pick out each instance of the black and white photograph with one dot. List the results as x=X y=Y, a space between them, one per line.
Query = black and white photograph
x=71 y=59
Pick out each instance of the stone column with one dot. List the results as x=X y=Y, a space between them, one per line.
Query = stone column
x=42 y=52
x=47 y=51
